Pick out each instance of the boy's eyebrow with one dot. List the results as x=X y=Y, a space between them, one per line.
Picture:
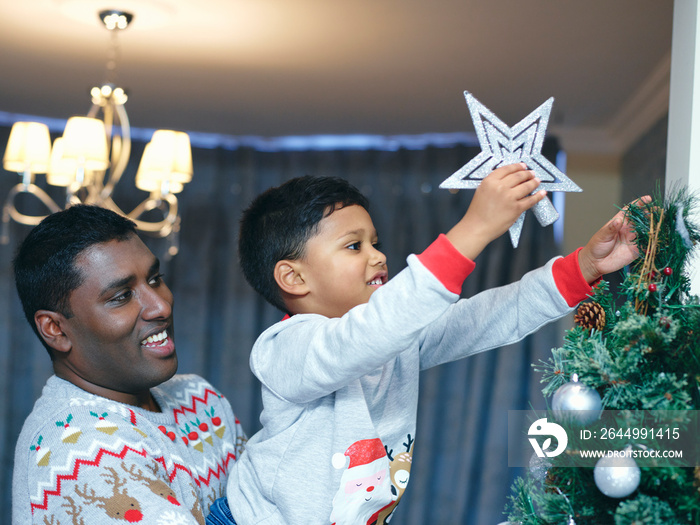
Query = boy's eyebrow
x=359 y=231
x=123 y=281
x=353 y=232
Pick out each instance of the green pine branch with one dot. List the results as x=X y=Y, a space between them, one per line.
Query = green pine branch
x=646 y=356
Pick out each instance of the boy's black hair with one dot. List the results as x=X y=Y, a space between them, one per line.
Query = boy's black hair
x=279 y=222
x=44 y=266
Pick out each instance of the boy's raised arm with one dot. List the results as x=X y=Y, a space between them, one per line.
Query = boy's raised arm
x=498 y=201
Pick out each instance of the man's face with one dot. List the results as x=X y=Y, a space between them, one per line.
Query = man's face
x=342 y=265
x=120 y=330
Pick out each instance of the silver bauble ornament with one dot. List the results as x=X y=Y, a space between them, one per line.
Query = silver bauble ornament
x=576 y=403
x=617 y=476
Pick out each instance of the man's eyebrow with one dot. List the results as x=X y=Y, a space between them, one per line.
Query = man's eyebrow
x=117 y=283
x=155 y=267
x=123 y=281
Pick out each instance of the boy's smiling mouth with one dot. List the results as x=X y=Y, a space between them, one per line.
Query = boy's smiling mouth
x=377 y=280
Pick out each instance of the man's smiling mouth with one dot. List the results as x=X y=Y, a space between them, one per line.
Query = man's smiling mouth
x=156 y=340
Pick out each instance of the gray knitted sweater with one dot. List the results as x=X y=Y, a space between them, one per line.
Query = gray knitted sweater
x=84 y=459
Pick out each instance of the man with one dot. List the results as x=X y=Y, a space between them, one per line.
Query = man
x=116 y=436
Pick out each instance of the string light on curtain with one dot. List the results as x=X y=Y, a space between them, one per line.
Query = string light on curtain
x=92 y=154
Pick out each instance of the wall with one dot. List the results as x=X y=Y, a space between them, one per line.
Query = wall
x=613 y=180
x=644 y=164
x=599 y=177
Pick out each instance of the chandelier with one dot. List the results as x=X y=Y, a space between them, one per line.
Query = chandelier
x=92 y=154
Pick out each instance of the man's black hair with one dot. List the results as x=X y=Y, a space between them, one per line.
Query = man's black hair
x=279 y=222
x=45 y=272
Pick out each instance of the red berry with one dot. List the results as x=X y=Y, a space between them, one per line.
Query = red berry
x=203 y=427
x=652 y=287
x=163 y=429
x=185 y=440
x=216 y=420
x=193 y=436
x=667 y=271
x=171 y=435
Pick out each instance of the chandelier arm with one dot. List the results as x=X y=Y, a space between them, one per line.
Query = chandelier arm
x=40 y=194
x=161 y=228
x=9 y=211
x=117 y=170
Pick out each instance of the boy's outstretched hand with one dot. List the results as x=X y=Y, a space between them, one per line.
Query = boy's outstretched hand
x=498 y=201
x=611 y=248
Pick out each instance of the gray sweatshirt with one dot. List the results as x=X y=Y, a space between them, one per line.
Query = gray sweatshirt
x=340 y=395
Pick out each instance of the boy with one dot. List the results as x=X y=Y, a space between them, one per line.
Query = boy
x=340 y=373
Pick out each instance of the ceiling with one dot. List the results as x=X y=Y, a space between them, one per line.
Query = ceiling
x=299 y=67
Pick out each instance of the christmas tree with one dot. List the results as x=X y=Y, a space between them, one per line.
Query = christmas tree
x=634 y=354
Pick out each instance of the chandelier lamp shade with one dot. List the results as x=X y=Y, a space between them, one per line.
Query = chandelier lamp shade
x=89 y=159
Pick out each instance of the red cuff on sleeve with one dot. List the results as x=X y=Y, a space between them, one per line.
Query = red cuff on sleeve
x=569 y=279
x=447 y=263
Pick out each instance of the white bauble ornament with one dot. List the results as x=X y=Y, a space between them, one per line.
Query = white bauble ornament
x=617 y=477
x=576 y=403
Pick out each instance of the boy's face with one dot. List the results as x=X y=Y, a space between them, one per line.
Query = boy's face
x=342 y=266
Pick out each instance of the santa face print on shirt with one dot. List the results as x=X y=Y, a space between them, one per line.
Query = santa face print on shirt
x=366 y=493
x=364 y=486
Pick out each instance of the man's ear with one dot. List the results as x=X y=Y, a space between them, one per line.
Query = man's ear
x=49 y=325
x=289 y=278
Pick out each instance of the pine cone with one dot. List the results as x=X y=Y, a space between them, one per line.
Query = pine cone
x=590 y=316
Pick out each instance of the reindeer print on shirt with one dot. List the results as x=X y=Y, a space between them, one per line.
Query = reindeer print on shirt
x=159 y=487
x=400 y=472
x=119 y=505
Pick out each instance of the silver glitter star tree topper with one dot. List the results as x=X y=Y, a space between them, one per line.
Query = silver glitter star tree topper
x=502 y=145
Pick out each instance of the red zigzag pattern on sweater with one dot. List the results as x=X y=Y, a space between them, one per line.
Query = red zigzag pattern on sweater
x=221 y=468
x=143 y=453
x=207 y=392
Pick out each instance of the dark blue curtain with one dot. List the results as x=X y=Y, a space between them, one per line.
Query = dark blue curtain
x=460 y=472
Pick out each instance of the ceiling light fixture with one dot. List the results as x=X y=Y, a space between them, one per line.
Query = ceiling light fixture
x=91 y=156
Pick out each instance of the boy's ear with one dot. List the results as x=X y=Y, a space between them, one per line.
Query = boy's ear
x=49 y=324
x=289 y=278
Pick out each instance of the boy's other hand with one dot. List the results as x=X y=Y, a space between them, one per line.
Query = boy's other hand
x=498 y=201
x=611 y=248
